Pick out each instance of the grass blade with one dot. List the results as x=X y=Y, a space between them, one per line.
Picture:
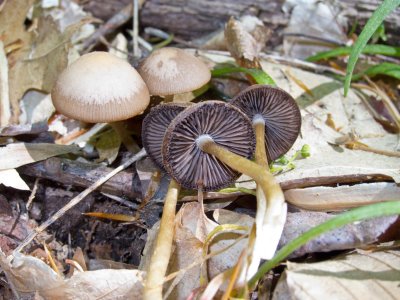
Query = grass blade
x=388 y=69
x=369 y=49
x=354 y=215
x=258 y=75
x=373 y=23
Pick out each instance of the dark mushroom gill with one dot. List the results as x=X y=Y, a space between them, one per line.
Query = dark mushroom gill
x=280 y=112
x=190 y=166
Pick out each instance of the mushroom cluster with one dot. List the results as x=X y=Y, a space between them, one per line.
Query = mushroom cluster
x=203 y=146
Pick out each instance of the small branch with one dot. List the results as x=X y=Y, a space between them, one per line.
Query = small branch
x=5 y=112
x=77 y=199
x=69 y=172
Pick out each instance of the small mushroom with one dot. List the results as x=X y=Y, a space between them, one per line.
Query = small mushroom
x=276 y=111
x=153 y=130
x=276 y=121
x=99 y=87
x=169 y=71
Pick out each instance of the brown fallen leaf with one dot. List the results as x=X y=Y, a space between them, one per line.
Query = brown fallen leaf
x=365 y=276
x=43 y=53
x=241 y=44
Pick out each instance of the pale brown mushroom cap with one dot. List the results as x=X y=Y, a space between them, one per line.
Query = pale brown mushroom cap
x=100 y=87
x=171 y=71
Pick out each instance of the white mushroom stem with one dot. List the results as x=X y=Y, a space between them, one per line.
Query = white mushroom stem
x=163 y=246
x=271 y=211
x=120 y=128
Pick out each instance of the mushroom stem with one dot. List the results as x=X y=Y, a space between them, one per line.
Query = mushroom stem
x=168 y=98
x=259 y=129
x=262 y=176
x=163 y=246
x=126 y=139
x=271 y=212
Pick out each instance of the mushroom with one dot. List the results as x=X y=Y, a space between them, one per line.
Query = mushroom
x=276 y=121
x=99 y=87
x=275 y=116
x=209 y=144
x=169 y=71
x=153 y=130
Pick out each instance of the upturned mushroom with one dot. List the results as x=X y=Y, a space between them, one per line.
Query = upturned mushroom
x=169 y=71
x=153 y=130
x=276 y=121
x=99 y=87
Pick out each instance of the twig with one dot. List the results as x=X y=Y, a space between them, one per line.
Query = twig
x=79 y=174
x=5 y=113
x=358 y=146
x=33 y=194
x=112 y=24
x=136 y=53
x=78 y=199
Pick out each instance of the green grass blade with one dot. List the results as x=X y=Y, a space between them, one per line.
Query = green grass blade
x=354 y=215
x=388 y=69
x=258 y=75
x=373 y=23
x=369 y=49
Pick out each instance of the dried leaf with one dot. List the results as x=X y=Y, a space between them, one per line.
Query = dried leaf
x=108 y=146
x=43 y=55
x=12 y=179
x=372 y=275
x=241 y=44
x=29 y=274
x=19 y=154
x=342 y=197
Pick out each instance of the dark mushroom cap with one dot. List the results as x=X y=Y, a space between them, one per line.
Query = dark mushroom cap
x=191 y=167
x=280 y=112
x=154 y=126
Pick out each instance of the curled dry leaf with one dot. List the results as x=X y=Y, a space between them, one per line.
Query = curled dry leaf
x=373 y=275
x=241 y=44
x=342 y=197
x=29 y=275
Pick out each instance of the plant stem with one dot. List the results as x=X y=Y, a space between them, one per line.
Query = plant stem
x=357 y=214
x=163 y=246
x=169 y=98
x=126 y=139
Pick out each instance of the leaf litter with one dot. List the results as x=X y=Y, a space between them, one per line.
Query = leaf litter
x=322 y=104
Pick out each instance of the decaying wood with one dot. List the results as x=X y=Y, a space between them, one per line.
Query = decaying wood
x=342 y=197
x=191 y=19
x=69 y=172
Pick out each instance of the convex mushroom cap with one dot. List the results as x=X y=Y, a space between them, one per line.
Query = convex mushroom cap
x=99 y=87
x=171 y=71
x=183 y=158
x=154 y=126
x=279 y=111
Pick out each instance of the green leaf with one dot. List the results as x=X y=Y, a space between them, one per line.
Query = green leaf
x=388 y=69
x=354 y=215
x=372 y=25
x=369 y=49
x=258 y=75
